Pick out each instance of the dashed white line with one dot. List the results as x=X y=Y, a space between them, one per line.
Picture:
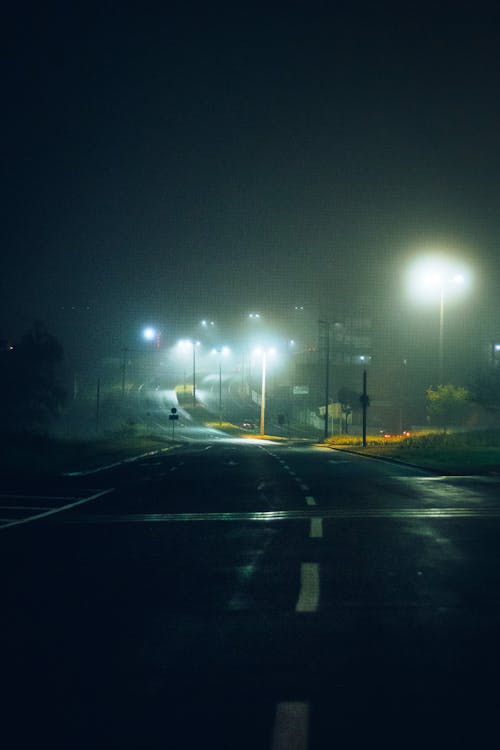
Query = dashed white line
x=310 y=500
x=291 y=726
x=308 y=600
x=304 y=487
x=316 y=529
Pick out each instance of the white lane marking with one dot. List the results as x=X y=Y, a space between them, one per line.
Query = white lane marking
x=304 y=487
x=129 y=460
x=310 y=500
x=25 y=507
x=39 y=497
x=51 y=512
x=309 y=588
x=292 y=473
x=316 y=530
x=291 y=726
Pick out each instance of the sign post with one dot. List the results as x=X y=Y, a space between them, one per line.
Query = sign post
x=173 y=416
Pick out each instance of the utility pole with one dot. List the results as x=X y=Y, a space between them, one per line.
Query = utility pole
x=263 y=395
x=365 y=403
x=325 y=328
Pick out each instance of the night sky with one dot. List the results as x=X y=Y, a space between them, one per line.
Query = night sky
x=167 y=162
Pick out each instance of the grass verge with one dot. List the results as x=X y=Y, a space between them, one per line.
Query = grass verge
x=475 y=452
x=39 y=455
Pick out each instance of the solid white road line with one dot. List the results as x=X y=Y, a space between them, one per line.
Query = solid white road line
x=291 y=726
x=310 y=500
x=37 y=497
x=316 y=530
x=26 y=507
x=308 y=600
x=56 y=510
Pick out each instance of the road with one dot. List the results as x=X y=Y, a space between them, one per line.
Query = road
x=249 y=594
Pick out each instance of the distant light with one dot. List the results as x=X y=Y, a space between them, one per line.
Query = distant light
x=187 y=344
x=149 y=334
x=497 y=347
x=291 y=342
x=254 y=316
x=432 y=279
x=430 y=276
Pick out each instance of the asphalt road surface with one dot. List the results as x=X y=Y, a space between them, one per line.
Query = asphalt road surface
x=242 y=594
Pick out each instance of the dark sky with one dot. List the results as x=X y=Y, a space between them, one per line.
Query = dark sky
x=171 y=161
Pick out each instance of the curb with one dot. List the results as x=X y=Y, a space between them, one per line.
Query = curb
x=106 y=467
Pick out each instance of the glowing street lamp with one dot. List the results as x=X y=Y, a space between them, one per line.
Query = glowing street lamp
x=441 y=276
x=264 y=354
x=152 y=334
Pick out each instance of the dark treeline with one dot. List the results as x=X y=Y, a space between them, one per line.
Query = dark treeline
x=31 y=392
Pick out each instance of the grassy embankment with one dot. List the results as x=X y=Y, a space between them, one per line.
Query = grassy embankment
x=475 y=452
x=39 y=455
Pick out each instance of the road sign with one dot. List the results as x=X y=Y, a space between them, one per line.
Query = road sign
x=173 y=416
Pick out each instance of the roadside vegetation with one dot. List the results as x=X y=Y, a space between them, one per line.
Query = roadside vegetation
x=36 y=455
x=467 y=452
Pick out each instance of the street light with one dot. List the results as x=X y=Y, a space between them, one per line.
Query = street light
x=442 y=277
x=224 y=350
x=185 y=344
x=152 y=334
x=264 y=353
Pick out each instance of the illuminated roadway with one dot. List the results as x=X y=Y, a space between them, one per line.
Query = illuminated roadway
x=246 y=594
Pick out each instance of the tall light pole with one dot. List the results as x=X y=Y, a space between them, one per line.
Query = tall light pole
x=324 y=328
x=193 y=344
x=263 y=395
x=221 y=351
x=438 y=276
x=184 y=344
x=443 y=280
x=263 y=353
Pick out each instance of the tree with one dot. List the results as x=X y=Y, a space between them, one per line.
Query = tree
x=447 y=404
x=30 y=390
x=349 y=401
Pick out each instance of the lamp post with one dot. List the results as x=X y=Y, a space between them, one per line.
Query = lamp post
x=324 y=332
x=264 y=353
x=221 y=351
x=443 y=280
x=263 y=395
x=185 y=344
x=438 y=277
